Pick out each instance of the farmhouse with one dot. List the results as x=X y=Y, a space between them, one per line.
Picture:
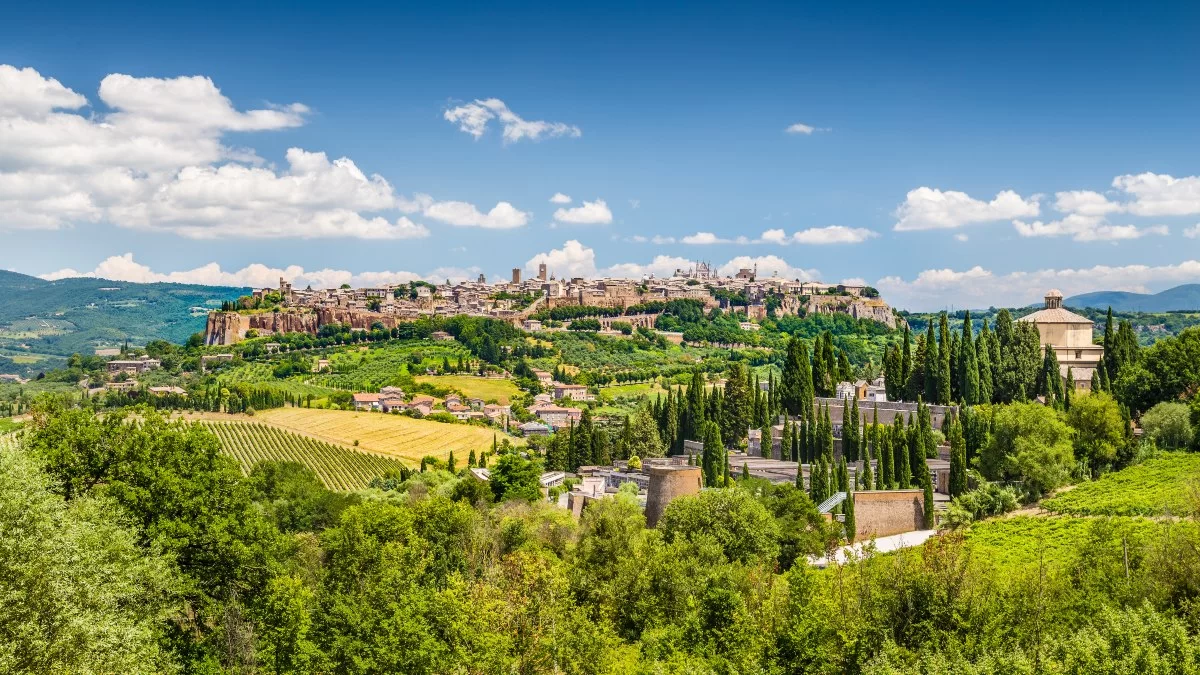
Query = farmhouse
x=575 y=392
x=366 y=401
x=136 y=366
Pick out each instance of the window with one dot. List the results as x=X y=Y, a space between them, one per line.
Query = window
x=1078 y=354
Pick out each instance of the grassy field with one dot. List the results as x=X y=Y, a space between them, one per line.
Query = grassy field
x=339 y=467
x=391 y=435
x=7 y=425
x=1022 y=541
x=1160 y=486
x=482 y=387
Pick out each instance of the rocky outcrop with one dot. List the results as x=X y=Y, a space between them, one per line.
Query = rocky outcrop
x=226 y=328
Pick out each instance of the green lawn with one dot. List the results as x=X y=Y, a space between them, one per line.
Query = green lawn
x=485 y=388
x=1160 y=486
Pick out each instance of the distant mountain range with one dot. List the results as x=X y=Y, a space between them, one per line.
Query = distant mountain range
x=77 y=315
x=1185 y=297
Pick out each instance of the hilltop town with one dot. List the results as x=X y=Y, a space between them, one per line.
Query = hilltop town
x=528 y=302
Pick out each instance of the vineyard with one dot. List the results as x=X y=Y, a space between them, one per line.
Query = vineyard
x=383 y=366
x=1024 y=542
x=340 y=468
x=1160 y=486
x=392 y=435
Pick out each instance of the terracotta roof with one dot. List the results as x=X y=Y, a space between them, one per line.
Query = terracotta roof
x=1056 y=315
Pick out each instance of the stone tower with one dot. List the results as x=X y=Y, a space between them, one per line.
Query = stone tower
x=667 y=483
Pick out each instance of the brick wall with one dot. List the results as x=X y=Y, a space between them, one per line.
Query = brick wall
x=880 y=513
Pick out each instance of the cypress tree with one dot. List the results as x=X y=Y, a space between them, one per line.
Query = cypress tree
x=969 y=379
x=712 y=459
x=932 y=364
x=785 y=443
x=905 y=361
x=1110 y=346
x=1096 y=379
x=887 y=474
x=471 y=458
x=670 y=434
x=450 y=462
x=944 y=352
x=958 y=459
x=843 y=476
x=915 y=386
x=1068 y=388
x=725 y=480
x=983 y=357
x=850 y=434
x=902 y=475
x=928 y=500
x=850 y=525
x=765 y=441
x=892 y=368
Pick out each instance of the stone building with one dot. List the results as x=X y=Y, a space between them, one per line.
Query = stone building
x=1070 y=335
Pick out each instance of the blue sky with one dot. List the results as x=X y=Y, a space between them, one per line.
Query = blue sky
x=953 y=155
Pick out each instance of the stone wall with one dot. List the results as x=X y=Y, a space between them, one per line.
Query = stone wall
x=667 y=483
x=880 y=513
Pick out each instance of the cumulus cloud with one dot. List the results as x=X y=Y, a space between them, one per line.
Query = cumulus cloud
x=819 y=236
x=768 y=266
x=560 y=198
x=572 y=260
x=257 y=275
x=588 y=213
x=708 y=238
x=1192 y=232
x=803 y=129
x=1160 y=194
x=155 y=159
x=661 y=266
x=473 y=118
x=502 y=216
x=979 y=287
x=1085 y=228
x=931 y=209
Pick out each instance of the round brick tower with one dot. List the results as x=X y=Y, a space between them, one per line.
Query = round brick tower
x=667 y=483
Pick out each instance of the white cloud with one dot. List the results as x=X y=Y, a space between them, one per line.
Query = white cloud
x=978 y=287
x=1192 y=232
x=818 y=236
x=708 y=238
x=156 y=161
x=588 y=213
x=572 y=260
x=931 y=209
x=1085 y=228
x=1085 y=203
x=257 y=275
x=473 y=118
x=560 y=198
x=661 y=266
x=768 y=266
x=1160 y=194
x=803 y=129
x=503 y=216
x=961 y=236
x=661 y=240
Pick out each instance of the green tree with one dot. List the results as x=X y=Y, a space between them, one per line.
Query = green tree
x=1169 y=425
x=738 y=523
x=1031 y=443
x=738 y=406
x=1099 y=430
x=958 y=459
x=712 y=459
x=514 y=477
x=80 y=594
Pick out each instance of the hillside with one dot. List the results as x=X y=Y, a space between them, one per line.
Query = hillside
x=77 y=315
x=1185 y=297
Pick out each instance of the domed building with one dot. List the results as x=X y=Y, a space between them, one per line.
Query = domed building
x=1071 y=337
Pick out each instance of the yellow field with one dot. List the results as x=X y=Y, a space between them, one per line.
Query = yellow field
x=392 y=435
x=481 y=387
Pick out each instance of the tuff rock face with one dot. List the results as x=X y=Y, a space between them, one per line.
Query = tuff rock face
x=226 y=328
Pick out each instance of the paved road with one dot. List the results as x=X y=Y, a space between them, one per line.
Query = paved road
x=882 y=545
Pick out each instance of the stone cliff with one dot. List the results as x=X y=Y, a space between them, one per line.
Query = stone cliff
x=226 y=328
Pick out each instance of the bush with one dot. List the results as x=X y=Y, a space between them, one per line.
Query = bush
x=1169 y=425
